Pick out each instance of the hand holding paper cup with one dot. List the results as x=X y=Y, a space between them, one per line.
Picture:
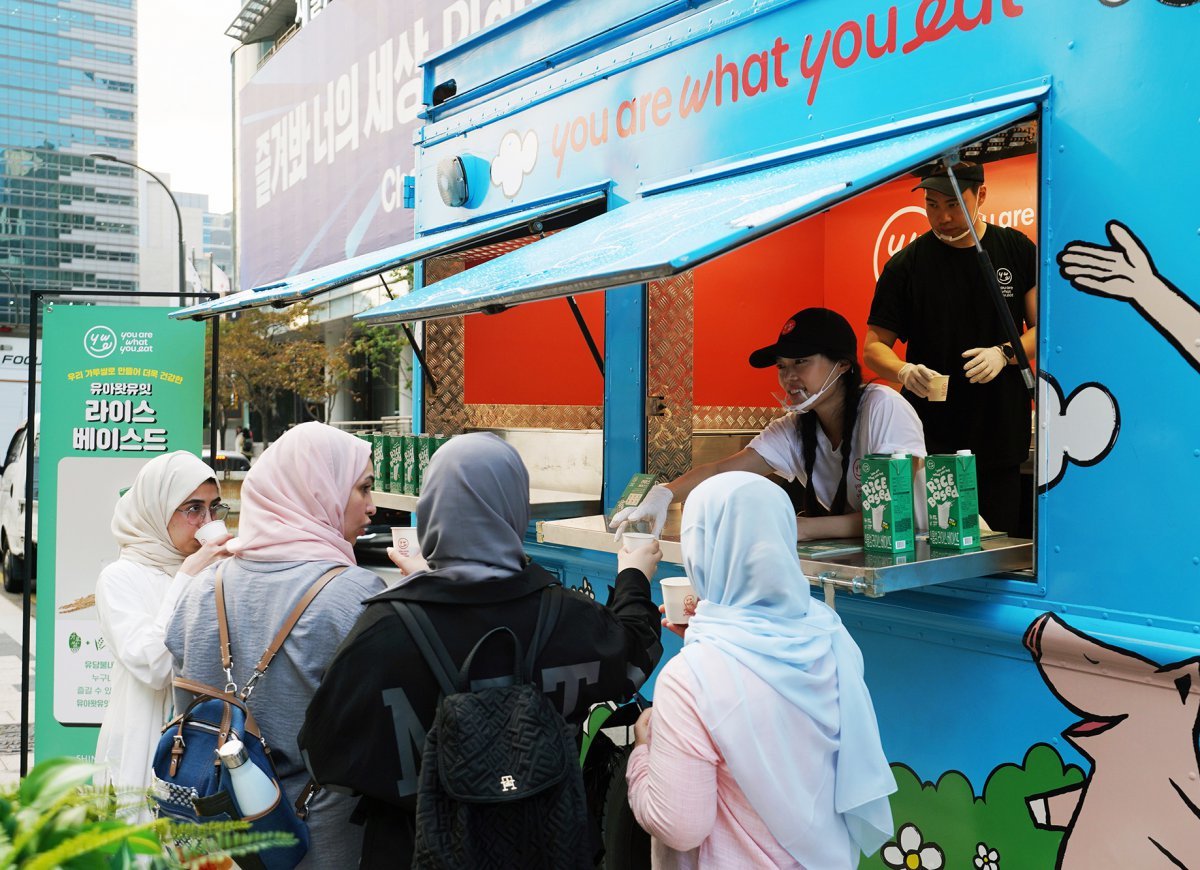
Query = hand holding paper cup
x=679 y=600
x=212 y=532
x=644 y=555
x=404 y=539
x=635 y=540
x=939 y=388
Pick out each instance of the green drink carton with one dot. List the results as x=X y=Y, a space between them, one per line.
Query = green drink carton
x=436 y=443
x=411 y=481
x=887 y=503
x=395 y=457
x=425 y=450
x=635 y=491
x=952 y=501
x=379 y=465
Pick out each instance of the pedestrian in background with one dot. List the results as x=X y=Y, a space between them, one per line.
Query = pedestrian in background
x=154 y=523
x=303 y=504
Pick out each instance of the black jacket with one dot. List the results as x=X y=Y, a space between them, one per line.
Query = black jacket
x=366 y=725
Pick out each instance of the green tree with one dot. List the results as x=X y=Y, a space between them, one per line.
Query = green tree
x=267 y=354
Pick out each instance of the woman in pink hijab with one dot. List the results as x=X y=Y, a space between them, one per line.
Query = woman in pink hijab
x=304 y=502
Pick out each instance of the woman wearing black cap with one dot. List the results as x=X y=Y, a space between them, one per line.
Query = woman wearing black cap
x=835 y=420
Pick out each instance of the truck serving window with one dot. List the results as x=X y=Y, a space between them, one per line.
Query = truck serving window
x=736 y=303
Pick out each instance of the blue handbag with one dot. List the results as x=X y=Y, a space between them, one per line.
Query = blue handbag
x=189 y=783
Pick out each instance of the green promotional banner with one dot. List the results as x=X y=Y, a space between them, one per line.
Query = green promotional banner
x=121 y=385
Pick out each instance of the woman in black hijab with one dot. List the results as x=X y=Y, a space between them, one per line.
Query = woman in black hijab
x=367 y=723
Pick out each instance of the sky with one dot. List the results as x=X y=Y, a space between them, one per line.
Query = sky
x=184 y=100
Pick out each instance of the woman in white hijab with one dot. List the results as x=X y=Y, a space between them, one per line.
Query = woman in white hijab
x=762 y=748
x=155 y=524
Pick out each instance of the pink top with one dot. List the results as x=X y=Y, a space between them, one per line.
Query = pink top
x=682 y=793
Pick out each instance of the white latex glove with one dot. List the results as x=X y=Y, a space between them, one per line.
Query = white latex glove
x=653 y=507
x=645 y=559
x=917 y=379
x=983 y=363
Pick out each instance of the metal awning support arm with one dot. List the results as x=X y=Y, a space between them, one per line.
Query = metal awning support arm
x=989 y=277
x=587 y=334
x=412 y=340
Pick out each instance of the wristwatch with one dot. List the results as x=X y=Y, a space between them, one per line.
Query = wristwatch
x=1008 y=350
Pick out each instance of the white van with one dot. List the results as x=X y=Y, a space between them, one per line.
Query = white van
x=12 y=509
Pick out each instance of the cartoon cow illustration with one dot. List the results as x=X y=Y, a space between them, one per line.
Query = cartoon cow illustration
x=1140 y=807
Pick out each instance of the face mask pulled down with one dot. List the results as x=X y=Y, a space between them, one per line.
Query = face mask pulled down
x=809 y=400
x=963 y=234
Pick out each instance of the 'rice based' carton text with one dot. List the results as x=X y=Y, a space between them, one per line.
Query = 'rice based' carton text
x=952 y=501
x=887 y=503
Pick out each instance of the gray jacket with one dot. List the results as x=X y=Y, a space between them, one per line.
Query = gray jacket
x=258 y=597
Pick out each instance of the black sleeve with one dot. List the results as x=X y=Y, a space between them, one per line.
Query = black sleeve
x=629 y=601
x=350 y=711
x=891 y=307
x=602 y=653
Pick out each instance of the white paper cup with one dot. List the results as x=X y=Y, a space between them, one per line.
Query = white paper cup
x=939 y=388
x=680 y=599
x=212 y=531
x=404 y=539
x=635 y=540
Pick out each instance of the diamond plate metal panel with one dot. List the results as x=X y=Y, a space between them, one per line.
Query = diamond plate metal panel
x=734 y=419
x=535 y=416
x=669 y=376
x=444 y=411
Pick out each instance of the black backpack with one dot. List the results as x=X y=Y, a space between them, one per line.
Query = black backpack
x=500 y=783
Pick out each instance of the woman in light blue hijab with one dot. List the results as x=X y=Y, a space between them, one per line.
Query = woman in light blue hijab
x=768 y=692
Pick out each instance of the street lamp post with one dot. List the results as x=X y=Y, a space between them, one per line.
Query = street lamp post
x=178 y=216
x=14 y=315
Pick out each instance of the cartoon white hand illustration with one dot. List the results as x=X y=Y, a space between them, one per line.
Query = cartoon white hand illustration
x=1125 y=271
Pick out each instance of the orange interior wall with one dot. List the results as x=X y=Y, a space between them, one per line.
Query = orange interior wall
x=739 y=302
x=534 y=355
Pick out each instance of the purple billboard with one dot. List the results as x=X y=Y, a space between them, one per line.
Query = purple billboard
x=326 y=131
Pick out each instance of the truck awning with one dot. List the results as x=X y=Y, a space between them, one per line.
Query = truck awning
x=675 y=228
x=308 y=284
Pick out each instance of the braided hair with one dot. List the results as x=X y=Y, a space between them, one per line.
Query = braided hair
x=806 y=427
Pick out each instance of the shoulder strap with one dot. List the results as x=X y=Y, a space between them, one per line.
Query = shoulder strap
x=548 y=611
x=430 y=645
x=223 y=631
x=268 y=655
x=416 y=620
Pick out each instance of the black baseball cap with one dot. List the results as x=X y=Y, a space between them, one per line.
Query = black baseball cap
x=813 y=330
x=935 y=177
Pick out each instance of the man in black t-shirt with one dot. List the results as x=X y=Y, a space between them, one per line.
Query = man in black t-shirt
x=932 y=296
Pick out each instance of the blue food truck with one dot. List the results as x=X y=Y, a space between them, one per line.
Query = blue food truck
x=616 y=202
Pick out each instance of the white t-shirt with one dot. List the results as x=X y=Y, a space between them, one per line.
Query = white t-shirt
x=886 y=423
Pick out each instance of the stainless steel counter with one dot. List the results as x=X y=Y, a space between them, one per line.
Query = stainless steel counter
x=546 y=504
x=869 y=574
